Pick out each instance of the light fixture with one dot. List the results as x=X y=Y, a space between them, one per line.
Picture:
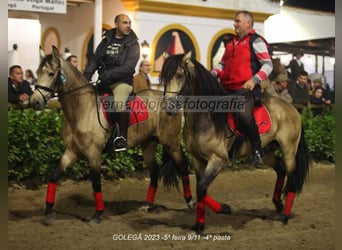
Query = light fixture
x=145 y=49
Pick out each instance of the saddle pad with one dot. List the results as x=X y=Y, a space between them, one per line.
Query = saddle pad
x=262 y=118
x=138 y=109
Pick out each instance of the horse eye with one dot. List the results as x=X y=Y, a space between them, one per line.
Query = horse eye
x=179 y=76
x=51 y=74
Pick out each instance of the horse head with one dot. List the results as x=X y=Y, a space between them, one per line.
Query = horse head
x=176 y=75
x=50 y=78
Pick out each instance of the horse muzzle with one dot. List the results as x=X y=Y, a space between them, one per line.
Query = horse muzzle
x=37 y=102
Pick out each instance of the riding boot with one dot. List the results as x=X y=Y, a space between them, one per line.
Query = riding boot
x=233 y=152
x=253 y=135
x=120 y=142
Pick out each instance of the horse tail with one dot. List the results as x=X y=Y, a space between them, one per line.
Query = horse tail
x=169 y=172
x=300 y=175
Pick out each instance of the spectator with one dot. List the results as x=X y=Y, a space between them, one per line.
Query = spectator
x=299 y=91
x=278 y=88
x=296 y=65
x=317 y=101
x=29 y=76
x=326 y=93
x=141 y=80
x=19 y=90
x=73 y=60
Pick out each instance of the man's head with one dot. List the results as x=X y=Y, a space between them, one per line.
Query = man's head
x=16 y=74
x=281 y=81
x=317 y=83
x=302 y=78
x=243 y=22
x=73 y=60
x=145 y=67
x=123 y=25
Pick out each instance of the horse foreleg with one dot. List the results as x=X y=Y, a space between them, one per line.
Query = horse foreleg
x=67 y=158
x=214 y=166
x=99 y=204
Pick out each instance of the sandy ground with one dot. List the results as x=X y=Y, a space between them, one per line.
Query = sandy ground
x=253 y=224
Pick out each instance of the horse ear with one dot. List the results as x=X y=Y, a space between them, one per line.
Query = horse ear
x=55 y=53
x=187 y=56
x=41 y=53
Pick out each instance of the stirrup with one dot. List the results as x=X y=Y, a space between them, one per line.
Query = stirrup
x=257 y=159
x=120 y=144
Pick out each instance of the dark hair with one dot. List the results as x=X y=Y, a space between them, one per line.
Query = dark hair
x=303 y=73
x=116 y=18
x=11 y=69
x=30 y=72
x=246 y=13
x=70 y=57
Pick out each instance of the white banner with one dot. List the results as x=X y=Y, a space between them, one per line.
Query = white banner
x=52 y=6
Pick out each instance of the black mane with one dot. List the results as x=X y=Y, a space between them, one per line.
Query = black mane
x=203 y=83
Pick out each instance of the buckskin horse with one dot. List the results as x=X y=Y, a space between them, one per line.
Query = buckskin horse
x=86 y=130
x=208 y=137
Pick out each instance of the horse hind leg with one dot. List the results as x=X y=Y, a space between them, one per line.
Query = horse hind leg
x=149 y=152
x=177 y=158
x=68 y=158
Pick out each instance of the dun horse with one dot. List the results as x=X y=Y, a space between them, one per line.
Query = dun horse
x=209 y=139
x=85 y=130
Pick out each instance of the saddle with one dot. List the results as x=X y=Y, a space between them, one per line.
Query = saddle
x=262 y=119
x=137 y=107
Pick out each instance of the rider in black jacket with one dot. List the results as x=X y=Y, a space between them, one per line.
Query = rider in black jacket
x=115 y=59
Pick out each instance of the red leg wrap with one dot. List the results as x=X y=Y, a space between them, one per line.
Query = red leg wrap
x=151 y=194
x=186 y=186
x=214 y=205
x=278 y=189
x=288 y=202
x=51 y=192
x=200 y=212
x=99 y=201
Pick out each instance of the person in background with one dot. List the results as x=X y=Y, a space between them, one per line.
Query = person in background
x=29 y=76
x=246 y=62
x=299 y=91
x=317 y=101
x=19 y=90
x=141 y=80
x=278 y=88
x=296 y=65
x=326 y=94
x=115 y=59
x=73 y=60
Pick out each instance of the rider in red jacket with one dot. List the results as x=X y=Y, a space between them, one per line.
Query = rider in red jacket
x=245 y=63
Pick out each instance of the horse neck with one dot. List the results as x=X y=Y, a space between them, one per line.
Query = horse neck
x=76 y=95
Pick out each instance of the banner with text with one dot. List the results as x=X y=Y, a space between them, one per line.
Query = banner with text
x=51 y=6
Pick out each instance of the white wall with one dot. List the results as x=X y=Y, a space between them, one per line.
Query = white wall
x=296 y=25
x=26 y=34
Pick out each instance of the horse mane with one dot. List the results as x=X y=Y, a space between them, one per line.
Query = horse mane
x=203 y=84
x=207 y=85
x=48 y=60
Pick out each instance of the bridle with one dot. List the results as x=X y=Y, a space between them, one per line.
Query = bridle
x=177 y=99
x=58 y=83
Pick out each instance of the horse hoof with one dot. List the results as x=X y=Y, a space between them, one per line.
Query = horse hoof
x=49 y=218
x=192 y=205
x=225 y=209
x=96 y=218
x=284 y=219
x=198 y=227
